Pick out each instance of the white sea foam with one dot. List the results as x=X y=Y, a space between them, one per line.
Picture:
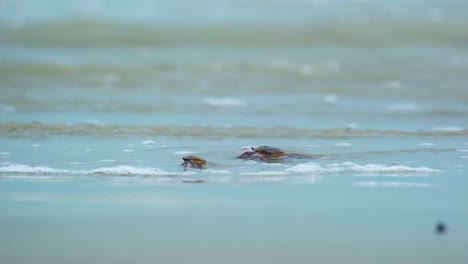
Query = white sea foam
x=393 y=184
x=364 y=170
x=183 y=152
x=217 y=172
x=148 y=142
x=224 y=102
x=122 y=170
x=130 y=171
x=262 y=179
x=307 y=168
x=368 y=169
x=128 y=150
x=106 y=161
x=5 y=153
x=462 y=150
x=264 y=173
x=464 y=157
x=311 y=169
x=35 y=146
x=19 y=168
x=426 y=144
x=394 y=170
x=343 y=144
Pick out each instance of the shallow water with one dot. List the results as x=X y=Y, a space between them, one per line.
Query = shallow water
x=100 y=101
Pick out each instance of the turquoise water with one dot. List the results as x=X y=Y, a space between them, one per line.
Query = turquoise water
x=100 y=100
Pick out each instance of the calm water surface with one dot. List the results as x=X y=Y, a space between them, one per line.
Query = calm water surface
x=100 y=100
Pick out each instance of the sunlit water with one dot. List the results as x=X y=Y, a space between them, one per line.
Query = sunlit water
x=100 y=101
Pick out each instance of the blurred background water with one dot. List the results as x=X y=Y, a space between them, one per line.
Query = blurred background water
x=99 y=100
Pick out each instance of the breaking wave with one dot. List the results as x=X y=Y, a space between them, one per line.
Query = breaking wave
x=25 y=169
x=305 y=173
x=357 y=169
x=224 y=102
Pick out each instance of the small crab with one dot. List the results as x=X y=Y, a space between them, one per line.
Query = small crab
x=194 y=162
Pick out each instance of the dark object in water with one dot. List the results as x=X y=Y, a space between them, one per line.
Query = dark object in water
x=440 y=228
x=194 y=162
x=263 y=153
x=193 y=181
x=267 y=153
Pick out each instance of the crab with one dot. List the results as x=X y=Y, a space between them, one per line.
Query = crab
x=194 y=162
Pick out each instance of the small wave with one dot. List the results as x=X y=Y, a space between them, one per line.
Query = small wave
x=129 y=171
x=217 y=172
x=392 y=169
x=224 y=102
x=449 y=129
x=262 y=179
x=264 y=173
x=128 y=150
x=368 y=169
x=343 y=144
x=148 y=142
x=183 y=152
x=311 y=169
x=106 y=161
x=427 y=144
x=5 y=153
x=393 y=184
x=19 y=168
x=122 y=170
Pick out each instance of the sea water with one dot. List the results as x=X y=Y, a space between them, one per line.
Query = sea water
x=100 y=100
